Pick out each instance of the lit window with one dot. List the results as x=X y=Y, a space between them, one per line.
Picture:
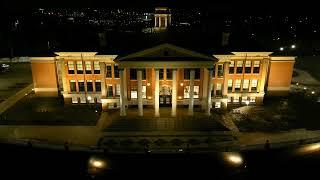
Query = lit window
x=237 y=85
x=81 y=85
x=88 y=67
x=134 y=92
x=229 y=85
x=231 y=67
x=217 y=105
x=144 y=92
x=254 y=84
x=239 y=67
x=75 y=100
x=96 y=66
x=245 y=86
x=116 y=71
x=70 y=67
x=118 y=90
x=248 y=67
x=235 y=99
x=195 y=91
x=229 y=99
x=244 y=99
x=219 y=90
x=252 y=99
x=256 y=67
x=79 y=67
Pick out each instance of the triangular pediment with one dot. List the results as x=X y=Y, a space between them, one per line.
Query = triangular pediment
x=166 y=52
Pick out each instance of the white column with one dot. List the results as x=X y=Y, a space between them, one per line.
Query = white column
x=191 y=92
x=140 y=104
x=155 y=21
x=174 y=93
x=209 y=101
x=156 y=95
x=166 y=21
x=159 y=21
x=204 y=89
x=103 y=79
x=122 y=97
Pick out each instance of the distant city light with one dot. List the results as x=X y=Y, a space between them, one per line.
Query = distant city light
x=305 y=88
x=293 y=46
x=312 y=92
x=281 y=48
x=233 y=158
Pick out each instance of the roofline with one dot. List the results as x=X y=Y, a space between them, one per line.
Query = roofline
x=75 y=53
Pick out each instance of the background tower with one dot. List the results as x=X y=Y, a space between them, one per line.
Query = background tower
x=162 y=18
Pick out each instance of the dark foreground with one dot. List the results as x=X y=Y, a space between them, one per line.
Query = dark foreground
x=28 y=163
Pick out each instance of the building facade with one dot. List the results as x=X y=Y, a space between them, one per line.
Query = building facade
x=165 y=75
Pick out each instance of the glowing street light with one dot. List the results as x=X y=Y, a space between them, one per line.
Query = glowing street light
x=312 y=92
x=281 y=48
x=233 y=158
x=297 y=84
x=97 y=163
x=293 y=46
x=305 y=88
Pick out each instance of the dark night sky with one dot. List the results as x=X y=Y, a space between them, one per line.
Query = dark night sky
x=236 y=6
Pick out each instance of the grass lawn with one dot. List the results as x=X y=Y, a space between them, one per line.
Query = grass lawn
x=281 y=114
x=32 y=110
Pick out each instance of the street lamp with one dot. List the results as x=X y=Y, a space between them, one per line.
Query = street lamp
x=281 y=48
x=312 y=92
x=293 y=46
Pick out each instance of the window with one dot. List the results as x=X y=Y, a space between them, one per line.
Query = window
x=81 y=85
x=252 y=99
x=133 y=74
x=79 y=67
x=169 y=74
x=144 y=74
x=254 y=84
x=195 y=92
x=256 y=67
x=217 y=105
x=98 y=85
x=229 y=85
x=231 y=67
x=186 y=73
x=229 y=99
x=219 y=90
x=73 y=86
x=75 y=100
x=89 y=86
x=248 y=67
x=197 y=73
x=70 y=67
x=109 y=91
x=239 y=67
x=214 y=71
x=160 y=74
x=88 y=67
x=108 y=71
x=134 y=92
x=220 y=70
x=118 y=90
x=144 y=92
x=237 y=85
x=116 y=71
x=245 y=86
x=96 y=66
x=244 y=99
x=236 y=99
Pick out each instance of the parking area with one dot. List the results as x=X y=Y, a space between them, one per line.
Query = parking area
x=16 y=78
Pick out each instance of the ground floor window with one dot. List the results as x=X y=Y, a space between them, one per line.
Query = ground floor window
x=217 y=105
x=75 y=100
x=229 y=99
x=252 y=99
x=144 y=92
x=134 y=92
x=195 y=91
x=118 y=90
x=236 y=99
x=83 y=99
x=244 y=99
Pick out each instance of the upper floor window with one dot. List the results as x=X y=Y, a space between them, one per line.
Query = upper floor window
x=239 y=67
x=214 y=71
x=186 y=73
x=70 y=67
x=169 y=74
x=220 y=70
x=108 y=71
x=160 y=74
x=96 y=67
x=81 y=85
x=79 y=67
x=144 y=74
x=109 y=91
x=256 y=67
x=197 y=73
x=133 y=74
x=231 y=67
x=248 y=67
x=219 y=89
x=88 y=67
x=116 y=71
x=98 y=85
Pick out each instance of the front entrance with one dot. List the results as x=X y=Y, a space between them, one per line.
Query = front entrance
x=165 y=95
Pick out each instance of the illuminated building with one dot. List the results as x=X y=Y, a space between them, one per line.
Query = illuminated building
x=162 y=75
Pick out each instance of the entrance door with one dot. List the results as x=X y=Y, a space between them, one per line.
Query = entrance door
x=165 y=96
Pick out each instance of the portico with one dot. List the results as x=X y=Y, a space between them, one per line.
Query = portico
x=166 y=66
